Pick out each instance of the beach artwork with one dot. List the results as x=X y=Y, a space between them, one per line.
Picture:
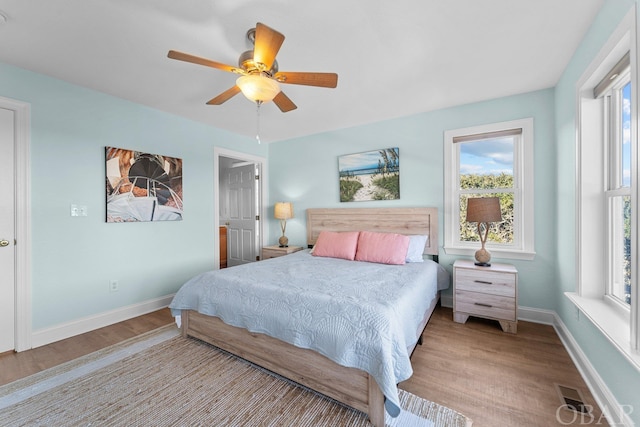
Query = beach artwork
x=142 y=186
x=372 y=175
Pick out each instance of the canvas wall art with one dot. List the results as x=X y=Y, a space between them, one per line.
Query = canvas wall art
x=372 y=175
x=142 y=186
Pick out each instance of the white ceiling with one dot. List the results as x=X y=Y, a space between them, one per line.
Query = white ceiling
x=394 y=58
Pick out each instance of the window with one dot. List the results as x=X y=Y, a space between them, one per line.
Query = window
x=606 y=193
x=494 y=160
x=617 y=194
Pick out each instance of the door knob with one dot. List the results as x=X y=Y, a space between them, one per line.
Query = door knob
x=4 y=243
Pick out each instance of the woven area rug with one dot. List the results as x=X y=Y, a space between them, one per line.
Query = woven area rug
x=162 y=379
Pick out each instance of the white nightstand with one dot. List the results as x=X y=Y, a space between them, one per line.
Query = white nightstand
x=275 y=251
x=488 y=292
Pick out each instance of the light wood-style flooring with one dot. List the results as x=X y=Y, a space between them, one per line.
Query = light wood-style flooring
x=18 y=365
x=496 y=379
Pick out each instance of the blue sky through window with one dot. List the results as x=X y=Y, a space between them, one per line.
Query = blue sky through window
x=487 y=157
x=626 y=135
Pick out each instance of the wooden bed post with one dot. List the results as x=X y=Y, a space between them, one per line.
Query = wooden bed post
x=376 y=404
x=184 y=320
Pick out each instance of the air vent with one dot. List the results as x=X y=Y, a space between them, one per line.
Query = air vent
x=572 y=399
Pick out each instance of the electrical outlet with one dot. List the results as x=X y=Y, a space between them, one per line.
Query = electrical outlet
x=113 y=286
x=79 y=210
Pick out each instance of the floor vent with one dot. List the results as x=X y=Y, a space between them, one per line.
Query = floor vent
x=571 y=398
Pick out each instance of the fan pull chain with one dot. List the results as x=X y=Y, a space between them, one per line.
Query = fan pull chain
x=258 y=103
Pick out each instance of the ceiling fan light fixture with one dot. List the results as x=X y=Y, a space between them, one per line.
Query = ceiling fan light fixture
x=258 y=88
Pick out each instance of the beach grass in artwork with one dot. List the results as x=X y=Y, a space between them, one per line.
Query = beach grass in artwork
x=372 y=175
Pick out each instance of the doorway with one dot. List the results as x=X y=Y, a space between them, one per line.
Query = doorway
x=15 y=226
x=239 y=186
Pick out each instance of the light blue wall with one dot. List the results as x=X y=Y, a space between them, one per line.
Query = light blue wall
x=305 y=172
x=621 y=378
x=73 y=259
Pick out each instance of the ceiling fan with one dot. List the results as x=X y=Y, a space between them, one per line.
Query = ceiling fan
x=260 y=79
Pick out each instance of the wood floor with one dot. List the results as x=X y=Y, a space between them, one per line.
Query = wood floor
x=494 y=378
x=17 y=365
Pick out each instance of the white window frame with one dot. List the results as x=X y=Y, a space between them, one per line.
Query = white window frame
x=619 y=324
x=523 y=241
x=612 y=167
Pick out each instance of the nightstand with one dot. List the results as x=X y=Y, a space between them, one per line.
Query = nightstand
x=488 y=292
x=275 y=251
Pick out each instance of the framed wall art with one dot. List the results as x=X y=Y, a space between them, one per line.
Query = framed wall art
x=142 y=186
x=372 y=175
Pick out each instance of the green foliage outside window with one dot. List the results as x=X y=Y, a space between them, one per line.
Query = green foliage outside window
x=499 y=232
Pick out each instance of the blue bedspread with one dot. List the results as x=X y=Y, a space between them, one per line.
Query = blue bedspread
x=358 y=314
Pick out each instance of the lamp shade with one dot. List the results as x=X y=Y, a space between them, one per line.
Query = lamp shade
x=258 y=88
x=283 y=210
x=484 y=209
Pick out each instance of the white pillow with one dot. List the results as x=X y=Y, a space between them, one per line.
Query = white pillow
x=416 y=248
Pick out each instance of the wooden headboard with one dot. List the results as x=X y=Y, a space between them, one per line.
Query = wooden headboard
x=384 y=220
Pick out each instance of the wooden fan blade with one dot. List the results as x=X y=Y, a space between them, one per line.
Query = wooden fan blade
x=284 y=103
x=308 y=79
x=180 y=56
x=224 y=96
x=266 y=46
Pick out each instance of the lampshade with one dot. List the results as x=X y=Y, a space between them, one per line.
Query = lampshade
x=483 y=209
x=283 y=210
x=257 y=87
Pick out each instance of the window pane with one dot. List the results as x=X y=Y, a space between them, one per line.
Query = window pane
x=626 y=135
x=621 y=247
x=499 y=232
x=486 y=164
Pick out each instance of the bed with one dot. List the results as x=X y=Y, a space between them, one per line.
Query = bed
x=240 y=310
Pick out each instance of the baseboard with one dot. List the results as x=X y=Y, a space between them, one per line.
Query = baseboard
x=611 y=408
x=446 y=301
x=614 y=412
x=86 y=324
x=536 y=315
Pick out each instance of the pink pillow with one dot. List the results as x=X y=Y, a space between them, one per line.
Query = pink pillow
x=384 y=248
x=336 y=245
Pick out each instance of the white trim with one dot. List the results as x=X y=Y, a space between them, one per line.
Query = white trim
x=523 y=162
x=635 y=183
x=590 y=186
x=536 y=315
x=90 y=323
x=611 y=408
x=223 y=152
x=446 y=301
x=22 y=193
x=611 y=323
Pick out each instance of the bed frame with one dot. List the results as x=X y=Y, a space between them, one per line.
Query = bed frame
x=350 y=386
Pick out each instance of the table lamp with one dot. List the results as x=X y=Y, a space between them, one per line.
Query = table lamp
x=483 y=210
x=283 y=211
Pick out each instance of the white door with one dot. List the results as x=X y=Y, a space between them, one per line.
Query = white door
x=243 y=214
x=7 y=231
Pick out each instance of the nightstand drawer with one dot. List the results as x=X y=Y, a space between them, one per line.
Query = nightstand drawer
x=270 y=253
x=275 y=251
x=487 y=282
x=494 y=306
